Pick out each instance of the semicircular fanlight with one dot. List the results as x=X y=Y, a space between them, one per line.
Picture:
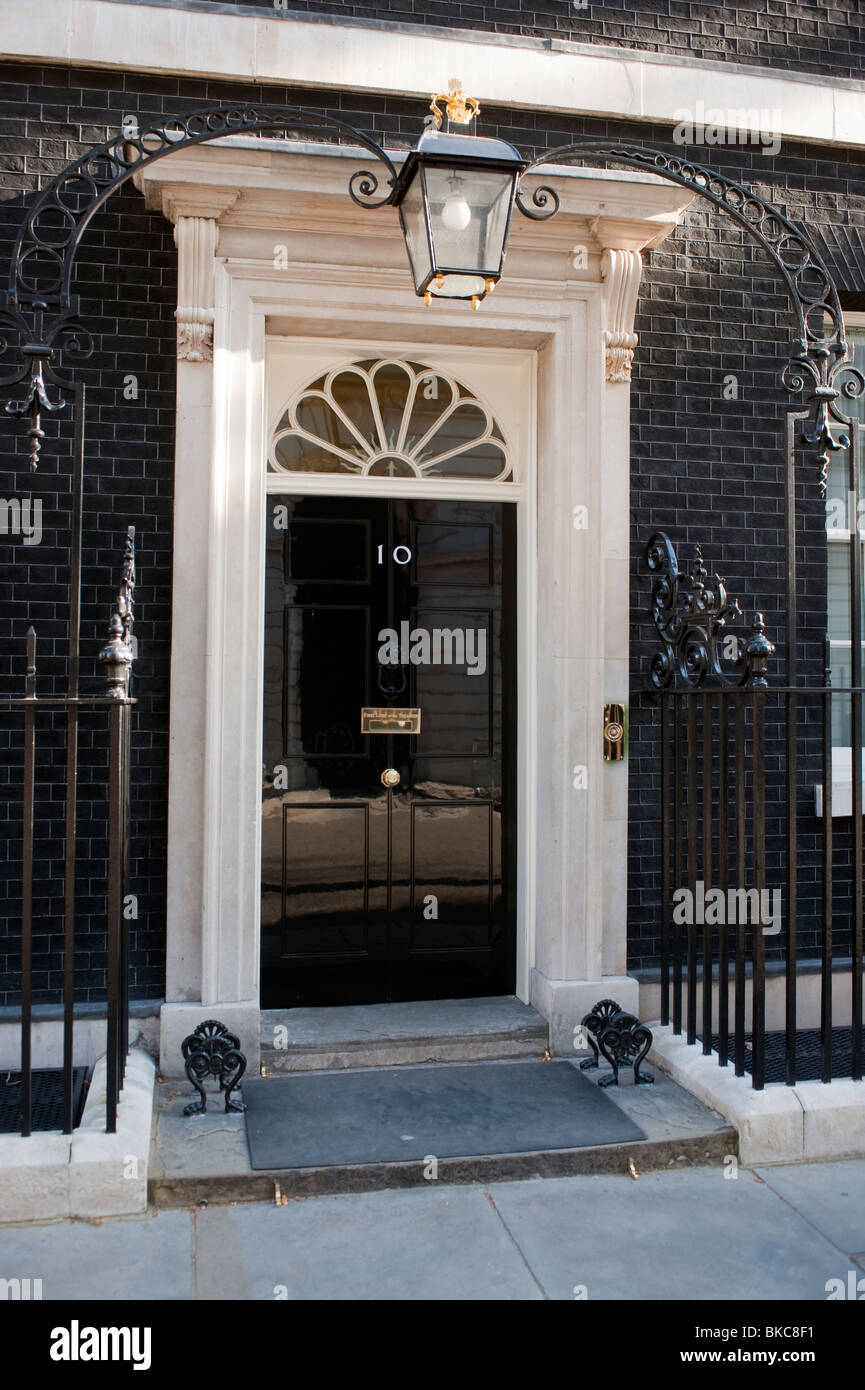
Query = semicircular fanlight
x=389 y=418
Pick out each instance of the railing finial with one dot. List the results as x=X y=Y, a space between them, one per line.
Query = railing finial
x=116 y=655
x=758 y=649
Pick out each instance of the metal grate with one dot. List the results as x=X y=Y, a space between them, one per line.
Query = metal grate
x=47 y=1099
x=807 y=1054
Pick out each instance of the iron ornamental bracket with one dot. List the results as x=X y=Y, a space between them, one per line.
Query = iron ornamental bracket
x=211 y=1050
x=820 y=361
x=691 y=617
x=620 y=1038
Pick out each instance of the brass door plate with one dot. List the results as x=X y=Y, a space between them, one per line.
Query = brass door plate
x=385 y=720
x=614 y=733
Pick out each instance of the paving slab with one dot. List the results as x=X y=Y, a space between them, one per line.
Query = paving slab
x=666 y=1110
x=831 y=1196
x=431 y=1244
x=147 y=1257
x=690 y=1234
x=209 y=1145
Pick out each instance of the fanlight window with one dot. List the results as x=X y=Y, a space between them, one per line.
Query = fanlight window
x=389 y=418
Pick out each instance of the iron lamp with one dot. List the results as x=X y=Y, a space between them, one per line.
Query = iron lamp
x=455 y=194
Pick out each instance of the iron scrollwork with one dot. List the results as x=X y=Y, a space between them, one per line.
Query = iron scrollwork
x=39 y=328
x=620 y=1038
x=691 y=614
x=35 y=344
x=820 y=360
x=545 y=202
x=212 y=1051
x=44 y=257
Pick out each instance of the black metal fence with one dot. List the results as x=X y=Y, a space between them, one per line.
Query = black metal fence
x=36 y=718
x=35 y=712
x=730 y=869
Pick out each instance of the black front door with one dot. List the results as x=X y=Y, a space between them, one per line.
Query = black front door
x=370 y=891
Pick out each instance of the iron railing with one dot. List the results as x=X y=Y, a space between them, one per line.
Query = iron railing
x=112 y=707
x=733 y=872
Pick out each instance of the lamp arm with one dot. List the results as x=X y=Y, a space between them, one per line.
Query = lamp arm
x=540 y=197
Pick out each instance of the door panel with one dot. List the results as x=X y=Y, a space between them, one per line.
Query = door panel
x=371 y=894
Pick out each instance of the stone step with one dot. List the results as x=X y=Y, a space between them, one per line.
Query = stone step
x=205 y=1159
x=386 y=1035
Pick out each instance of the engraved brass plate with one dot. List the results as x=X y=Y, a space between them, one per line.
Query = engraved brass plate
x=385 y=720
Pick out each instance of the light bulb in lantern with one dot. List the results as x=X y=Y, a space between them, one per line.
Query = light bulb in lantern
x=456 y=213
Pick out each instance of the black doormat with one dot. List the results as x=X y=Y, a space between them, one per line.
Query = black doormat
x=47 y=1099
x=807 y=1054
x=393 y=1114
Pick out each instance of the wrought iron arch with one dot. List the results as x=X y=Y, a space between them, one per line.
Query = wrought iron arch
x=41 y=313
x=38 y=322
x=818 y=358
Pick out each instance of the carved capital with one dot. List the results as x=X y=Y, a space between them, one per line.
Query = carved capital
x=195 y=238
x=621 y=272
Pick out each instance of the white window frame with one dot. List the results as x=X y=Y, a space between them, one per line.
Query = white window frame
x=409 y=361
x=503 y=379
x=842 y=754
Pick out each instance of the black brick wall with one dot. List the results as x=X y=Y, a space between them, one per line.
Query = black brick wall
x=703 y=468
x=127 y=281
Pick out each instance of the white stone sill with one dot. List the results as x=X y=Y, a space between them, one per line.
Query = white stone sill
x=842 y=784
x=51 y=1176
x=780 y=1124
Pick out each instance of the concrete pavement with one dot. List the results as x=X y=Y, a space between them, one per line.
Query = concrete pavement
x=779 y=1232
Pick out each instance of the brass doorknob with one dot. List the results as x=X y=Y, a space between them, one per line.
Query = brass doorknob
x=390 y=777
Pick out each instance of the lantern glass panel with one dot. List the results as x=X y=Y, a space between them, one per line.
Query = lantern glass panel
x=468 y=213
x=414 y=227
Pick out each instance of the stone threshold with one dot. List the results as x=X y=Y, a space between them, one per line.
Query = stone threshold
x=373 y=1035
x=780 y=1124
x=204 y=1158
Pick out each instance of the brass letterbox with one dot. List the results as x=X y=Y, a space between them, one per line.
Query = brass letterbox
x=386 y=720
